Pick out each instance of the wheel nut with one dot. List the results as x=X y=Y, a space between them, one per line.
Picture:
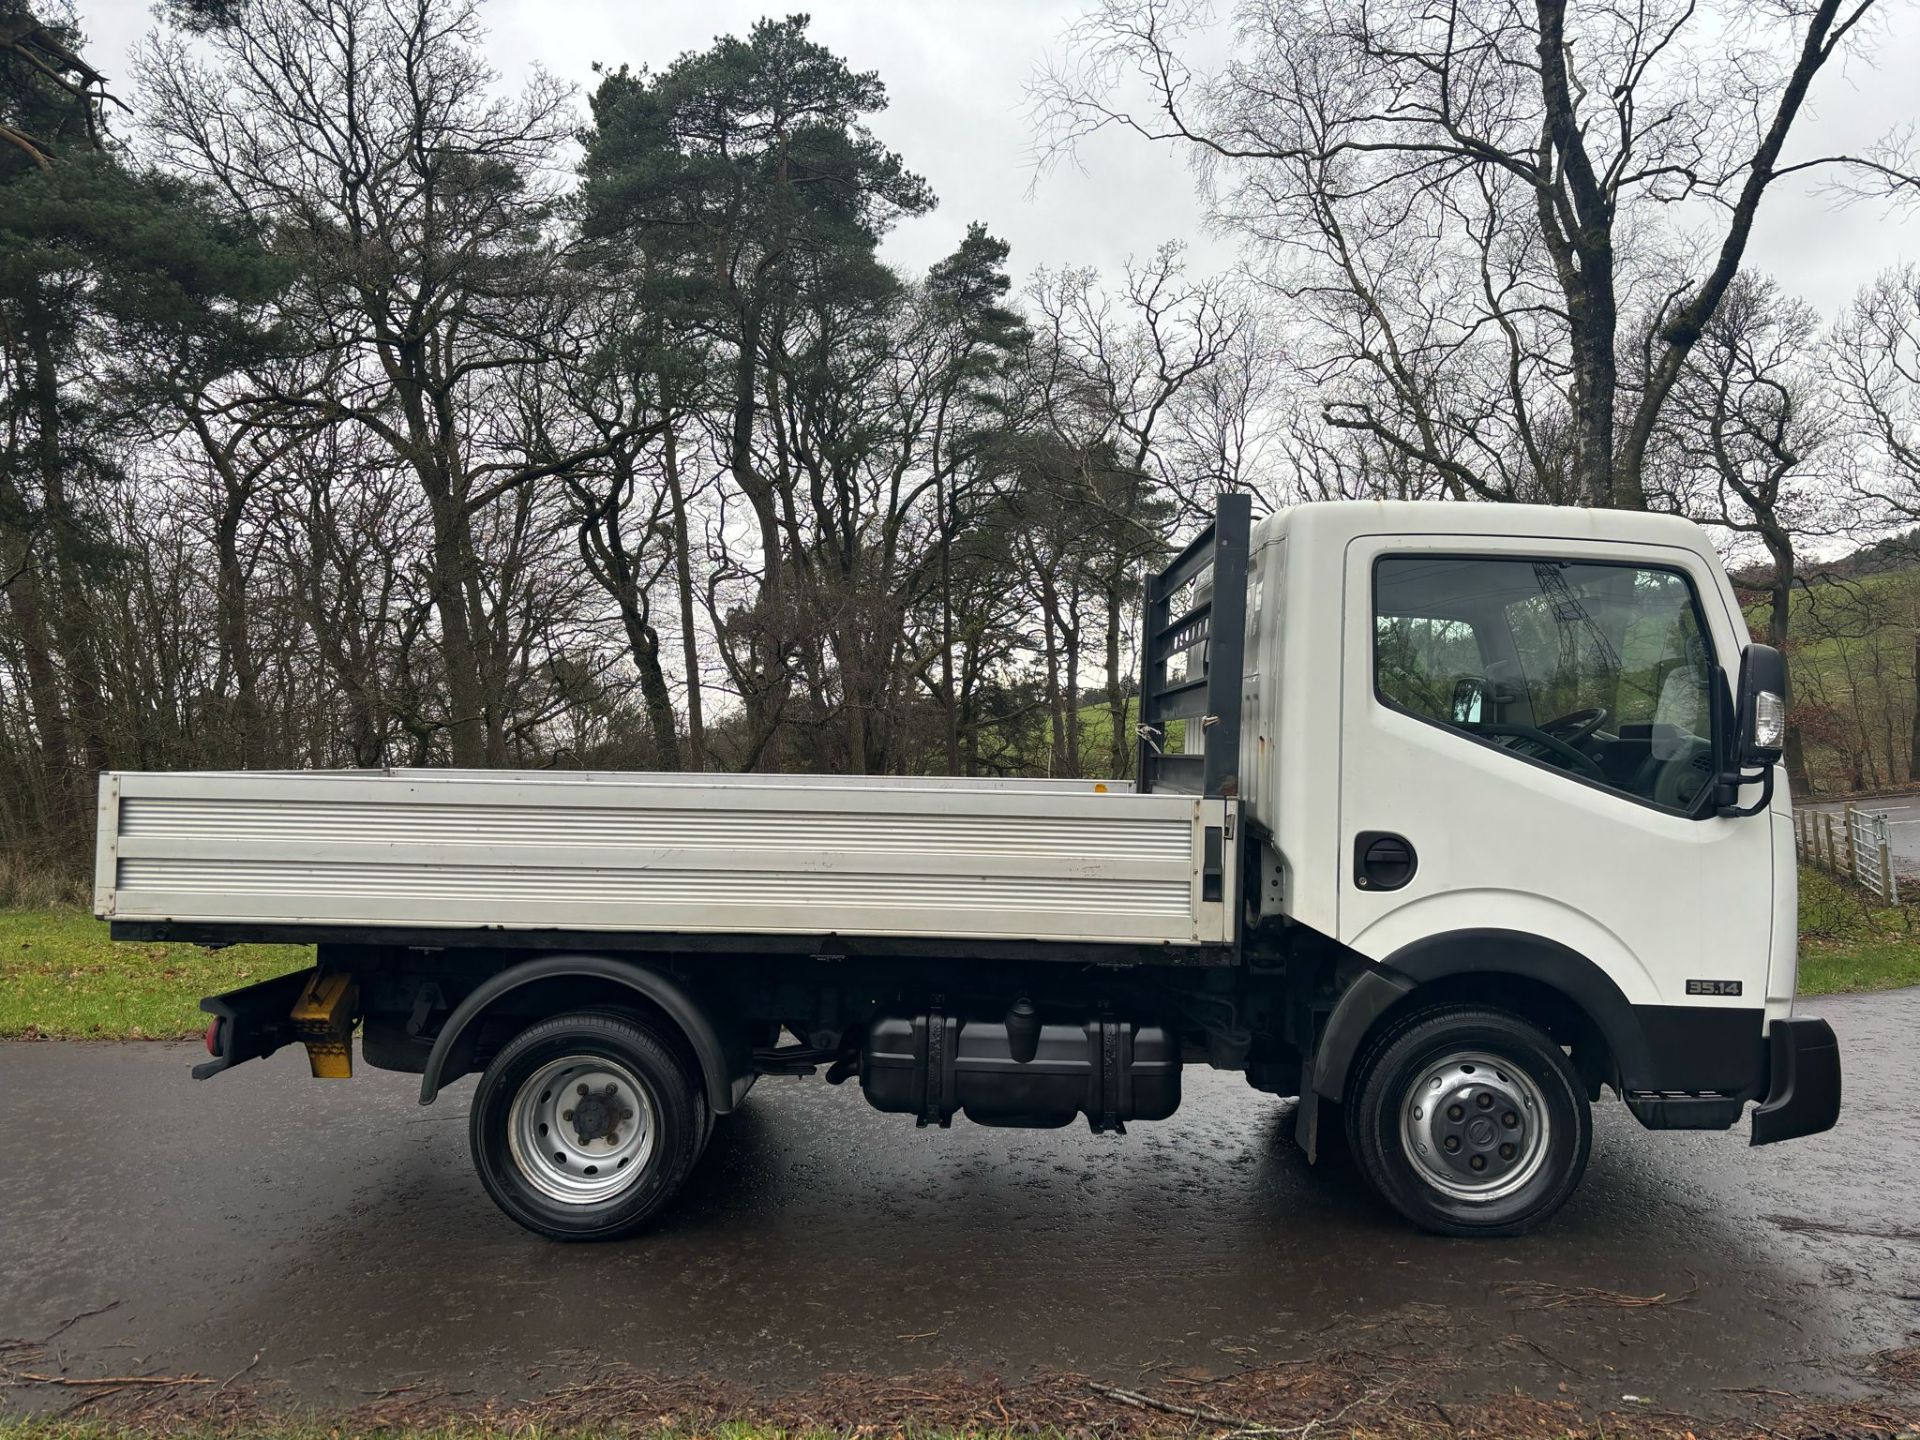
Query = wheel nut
x=1506 y=1152
x=1455 y=1112
x=1485 y=1101
x=1478 y=1162
x=613 y=1137
x=1452 y=1142
x=566 y=1114
x=1509 y=1120
x=580 y=1090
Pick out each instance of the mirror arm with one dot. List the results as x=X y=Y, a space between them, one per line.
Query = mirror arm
x=1732 y=783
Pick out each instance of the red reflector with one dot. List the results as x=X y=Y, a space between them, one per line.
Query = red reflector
x=213 y=1038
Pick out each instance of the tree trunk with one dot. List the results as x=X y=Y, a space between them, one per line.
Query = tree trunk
x=44 y=700
x=1056 y=722
x=1118 y=748
x=644 y=641
x=683 y=582
x=1913 y=741
x=1071 y=658
x=466 y=704
x=857 y=697
x=763 y=700
x=949 y=702
x=965 y=710
x=70 y=614
x=231 y=603
x=1595 y=387
x=1779 y=622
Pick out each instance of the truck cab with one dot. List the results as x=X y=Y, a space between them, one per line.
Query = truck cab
x=1503 y=717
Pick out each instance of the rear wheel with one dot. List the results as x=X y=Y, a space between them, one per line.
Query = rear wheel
x=1470 y=1121
x=586 y=1125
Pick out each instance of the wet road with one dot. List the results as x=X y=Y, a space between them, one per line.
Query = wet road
x=335 y=1230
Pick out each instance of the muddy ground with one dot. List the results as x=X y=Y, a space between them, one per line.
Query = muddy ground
x=835 y=1264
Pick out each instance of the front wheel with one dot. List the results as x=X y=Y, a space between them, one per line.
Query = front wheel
x=1470 y=1121
x=586 y=1125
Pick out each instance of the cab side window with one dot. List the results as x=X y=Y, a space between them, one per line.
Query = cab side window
x=1601 y=671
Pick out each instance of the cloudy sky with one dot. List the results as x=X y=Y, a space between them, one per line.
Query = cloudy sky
x=956 y=71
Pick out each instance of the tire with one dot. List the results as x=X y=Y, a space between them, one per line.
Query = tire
x=598 y=1180
x=1511 y=1105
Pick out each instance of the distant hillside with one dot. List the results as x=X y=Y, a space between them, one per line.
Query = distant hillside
x=1888 y=556
x=1851 y=651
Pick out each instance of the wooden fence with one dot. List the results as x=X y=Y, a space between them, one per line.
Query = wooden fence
x=1852 y=844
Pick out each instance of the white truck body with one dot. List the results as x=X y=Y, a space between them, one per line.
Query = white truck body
x=1452 y=815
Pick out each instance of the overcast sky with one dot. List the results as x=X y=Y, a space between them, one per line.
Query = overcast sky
x=956 y=70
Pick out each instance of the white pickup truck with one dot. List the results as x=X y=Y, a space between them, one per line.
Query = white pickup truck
x=1445 y=818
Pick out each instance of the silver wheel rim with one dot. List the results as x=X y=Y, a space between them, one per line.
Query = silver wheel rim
x=1475 y=1126
x=581 y=1129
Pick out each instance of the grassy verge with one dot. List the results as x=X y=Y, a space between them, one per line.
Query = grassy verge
x=61 y=977
x=1848 y=945
x=333 y=1429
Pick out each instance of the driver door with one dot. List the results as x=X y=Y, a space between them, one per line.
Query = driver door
x=1459 y=653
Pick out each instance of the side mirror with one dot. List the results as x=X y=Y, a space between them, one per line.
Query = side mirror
x=1755 y=735
x=1469 y=694
x=1761 y=730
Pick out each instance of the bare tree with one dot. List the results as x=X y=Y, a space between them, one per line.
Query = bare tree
x=1394 y=157
x=1875 y=355
x=1135 y=385
x=421 y=212
x=1750 y=442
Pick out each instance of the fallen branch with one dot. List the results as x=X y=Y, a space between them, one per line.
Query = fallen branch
x=238 y=1373
x=117 y=1379
x=1543 y=1296
x=85 y=1400
x=18 y=1343
x=1243 y=1429
x=1802 y=1224
x=71 y=1321
x=1138 y=1401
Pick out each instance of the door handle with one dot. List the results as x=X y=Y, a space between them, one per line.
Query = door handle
x=1383 y=860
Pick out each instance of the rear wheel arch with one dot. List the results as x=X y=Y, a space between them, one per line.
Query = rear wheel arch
x=1538 y=979
x=673 y=1008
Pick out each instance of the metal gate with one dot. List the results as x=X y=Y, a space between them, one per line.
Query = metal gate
x=1854 y=843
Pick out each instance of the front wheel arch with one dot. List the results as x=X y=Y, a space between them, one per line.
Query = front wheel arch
x=1538 y=979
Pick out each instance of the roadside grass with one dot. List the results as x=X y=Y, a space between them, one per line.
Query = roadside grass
x=31 y=1428
x=62 y=978
x=38 y=1429
x=1848 y=945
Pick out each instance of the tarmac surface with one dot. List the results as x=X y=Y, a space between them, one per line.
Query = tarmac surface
x=335 y=1231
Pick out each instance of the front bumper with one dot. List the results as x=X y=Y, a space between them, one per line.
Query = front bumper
x=1803 y=1072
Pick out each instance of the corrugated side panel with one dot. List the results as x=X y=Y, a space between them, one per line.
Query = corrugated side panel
x=1162 y=840
x=708 y=856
